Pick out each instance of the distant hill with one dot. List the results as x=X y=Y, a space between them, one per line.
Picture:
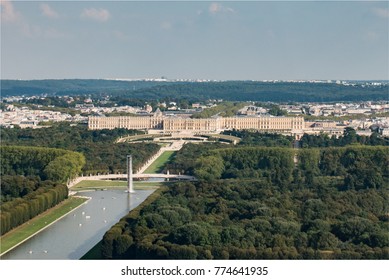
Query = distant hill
x=266 y=91
x=196 y=91
x=70 y=87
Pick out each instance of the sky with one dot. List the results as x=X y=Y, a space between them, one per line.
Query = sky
x=225 y=40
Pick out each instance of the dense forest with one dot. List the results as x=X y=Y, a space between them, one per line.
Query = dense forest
x=49 y=164
x=350 y=137
x=360 y=166
x=101 y=154
x=32 y=181
x=258 y=203
x=185 y=159
x=191 y=91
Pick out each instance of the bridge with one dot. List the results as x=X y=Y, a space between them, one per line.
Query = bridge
x=139 y=176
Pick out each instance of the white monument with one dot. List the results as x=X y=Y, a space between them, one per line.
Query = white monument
x=130 y=188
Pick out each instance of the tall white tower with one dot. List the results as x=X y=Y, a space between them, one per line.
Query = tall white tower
x=130 y=187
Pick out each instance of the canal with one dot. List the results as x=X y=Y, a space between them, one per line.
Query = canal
x=75 y=234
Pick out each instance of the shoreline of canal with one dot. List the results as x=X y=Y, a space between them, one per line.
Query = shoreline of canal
x=86 y=199
x=58 y=241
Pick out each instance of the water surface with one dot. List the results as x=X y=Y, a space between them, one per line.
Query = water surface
x=75 y=234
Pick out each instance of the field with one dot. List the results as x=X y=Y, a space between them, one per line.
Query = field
x=23 y=232
x=160 y=162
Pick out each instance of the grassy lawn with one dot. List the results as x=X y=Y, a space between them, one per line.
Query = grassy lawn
x=160 y=162
x=29 y=228
x=91 y=184
x=104 y=184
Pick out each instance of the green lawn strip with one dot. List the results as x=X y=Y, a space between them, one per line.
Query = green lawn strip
x=98 y=183
x=160 y=162
x=26 y=230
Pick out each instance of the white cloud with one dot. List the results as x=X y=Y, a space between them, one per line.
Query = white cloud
x=96 y=14
x=23 y=27
x=8 y=12
x=215 y=8
x=49 y=12
x=381 y=12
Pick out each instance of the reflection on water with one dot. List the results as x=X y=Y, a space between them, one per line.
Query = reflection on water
x=154 y=179
x=74 y=235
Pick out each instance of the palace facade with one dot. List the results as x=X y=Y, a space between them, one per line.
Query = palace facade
x=172 y=124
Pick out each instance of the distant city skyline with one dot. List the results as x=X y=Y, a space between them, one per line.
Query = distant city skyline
x=195 y=40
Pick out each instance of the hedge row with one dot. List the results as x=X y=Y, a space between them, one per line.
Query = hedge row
x=20 y=210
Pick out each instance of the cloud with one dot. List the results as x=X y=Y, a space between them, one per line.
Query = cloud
x=96 y=14
x=8 y=12
x=23 y=27
x=215 y=8
x=381 y=12
x=47 y=11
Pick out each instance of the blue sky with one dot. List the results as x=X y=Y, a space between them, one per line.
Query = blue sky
x=195 y=40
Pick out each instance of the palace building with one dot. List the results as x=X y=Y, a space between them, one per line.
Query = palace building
x=173 y=124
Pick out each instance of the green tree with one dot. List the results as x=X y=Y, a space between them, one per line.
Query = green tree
x=121 y=244
x=209 y=168
x=275 y=110
x=190 y=234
